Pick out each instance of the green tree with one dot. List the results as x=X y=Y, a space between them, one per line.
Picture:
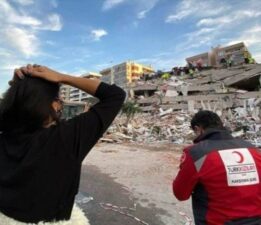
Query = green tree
x=130 y=109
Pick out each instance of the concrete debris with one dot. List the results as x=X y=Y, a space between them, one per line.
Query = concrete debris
x=222 y=88
x=174 y=127
x=166 y=126
x=168 y=106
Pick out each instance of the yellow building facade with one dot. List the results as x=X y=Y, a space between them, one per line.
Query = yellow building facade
x=126 y=72
x=136 y=70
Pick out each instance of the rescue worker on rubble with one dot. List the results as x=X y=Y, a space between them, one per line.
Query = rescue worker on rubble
x=230 y=61
x=41 y=156
x=191 y=73
x=221 y=173
x=251 y=60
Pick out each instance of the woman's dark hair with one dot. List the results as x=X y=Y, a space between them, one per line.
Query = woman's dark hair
x=206 y=119
x=27 y=104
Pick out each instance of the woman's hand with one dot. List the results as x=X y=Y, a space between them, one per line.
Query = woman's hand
x=41 y=72
x=87 y=85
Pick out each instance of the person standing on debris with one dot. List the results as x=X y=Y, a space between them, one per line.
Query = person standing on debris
x=221 y=173
x=40 y=155
x=246 y=55
x=251 y=60
x=229 y=61
x=191 y=73
x=199 y=64
x=223 y=62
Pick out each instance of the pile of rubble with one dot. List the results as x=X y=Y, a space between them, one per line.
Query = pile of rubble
x=145 y=128
x=168 y=106
x=174 y=127
x=215 y=88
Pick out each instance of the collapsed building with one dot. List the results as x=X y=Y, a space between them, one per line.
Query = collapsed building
x=238 y=53
x=168 y=105
x=222 y=81
x=222 y=88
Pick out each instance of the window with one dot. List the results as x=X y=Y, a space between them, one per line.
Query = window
x=221 y=53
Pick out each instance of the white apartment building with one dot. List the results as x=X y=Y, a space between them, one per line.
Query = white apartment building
x=74 y=94
x=65 y=92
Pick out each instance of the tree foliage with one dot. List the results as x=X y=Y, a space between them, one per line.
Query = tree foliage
x=130 y=109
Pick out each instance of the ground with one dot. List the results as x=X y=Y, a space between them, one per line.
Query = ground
x=125 y=175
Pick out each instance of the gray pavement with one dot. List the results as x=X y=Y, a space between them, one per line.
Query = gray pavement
x=102 y=188
x=128 y=174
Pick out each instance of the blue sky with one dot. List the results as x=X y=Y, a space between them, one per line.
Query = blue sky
x=77 y=36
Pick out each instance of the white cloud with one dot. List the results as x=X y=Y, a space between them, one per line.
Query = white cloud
x=145 y=7
x=234 y=17
x=25 y=2
x=21 y=40
x=54 y=3
x=251 y=36
x=102 y=66
x=15 y=30
x=11 y=67
x=257 y=57
x=8 y=63
x=142 y=14
x=19 y=34
x=78 y=71
x=197 y=8
x=53 y=23
x=109 y=4
x=205 y=36
x=216 y=23
x=51 y=43
x=9 y=15
x=98 y=34
x=25 y=20
x=5 y=53
x=19 y=30
x=164 y=61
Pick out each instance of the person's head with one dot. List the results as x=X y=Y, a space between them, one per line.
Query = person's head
x=29 y=104
x=204 y=120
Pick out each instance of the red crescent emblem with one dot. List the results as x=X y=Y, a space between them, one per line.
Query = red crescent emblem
x=240 y=156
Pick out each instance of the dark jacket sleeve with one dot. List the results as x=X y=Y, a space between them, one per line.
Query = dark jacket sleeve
x=80 y=134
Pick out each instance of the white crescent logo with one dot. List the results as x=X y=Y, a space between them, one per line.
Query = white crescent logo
x=241 y=157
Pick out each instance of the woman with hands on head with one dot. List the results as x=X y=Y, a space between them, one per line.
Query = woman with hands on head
x=41 y=156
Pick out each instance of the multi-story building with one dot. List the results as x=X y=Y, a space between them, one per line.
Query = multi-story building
x=203 y=58
x=236 y=52
x=73 y=94
x=125 y=73
x=72 y=109
x=65 y=92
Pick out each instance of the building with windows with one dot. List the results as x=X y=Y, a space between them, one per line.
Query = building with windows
x=65 y=92
x=216 y=56
x=203 y=58
x=71 y=109
x=73 y=94
x=124 y=73
x=237 y=52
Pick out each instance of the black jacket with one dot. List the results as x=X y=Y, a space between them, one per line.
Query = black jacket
x=40 y=172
